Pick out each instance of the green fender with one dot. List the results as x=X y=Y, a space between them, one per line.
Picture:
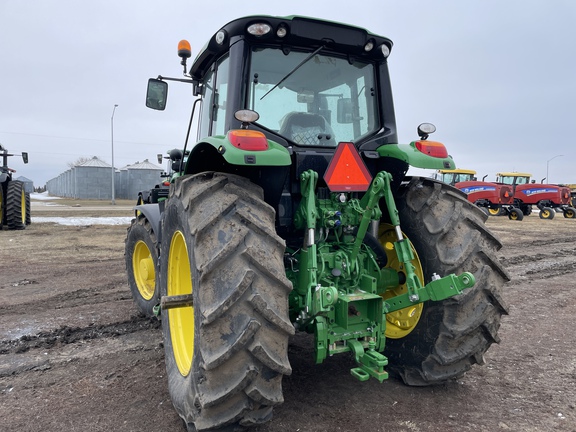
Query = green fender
x=413 y=157
x=275 y=155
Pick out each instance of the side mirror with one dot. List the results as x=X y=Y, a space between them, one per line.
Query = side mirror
x=25 y=157
x=159 y=156
x=344 y=111
x=156 y=94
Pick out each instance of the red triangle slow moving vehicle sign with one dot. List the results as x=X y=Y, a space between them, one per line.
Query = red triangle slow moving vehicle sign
x=347 y=172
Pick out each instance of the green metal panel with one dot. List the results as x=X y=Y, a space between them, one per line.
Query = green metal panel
x=409 y=154
x=276 y=155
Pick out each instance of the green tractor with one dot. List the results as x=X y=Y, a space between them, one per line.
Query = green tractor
x=293 y=212
x=14 y=200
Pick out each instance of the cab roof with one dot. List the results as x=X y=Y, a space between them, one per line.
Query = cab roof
x=457 y=171
x=513 y=174
x=301 y=32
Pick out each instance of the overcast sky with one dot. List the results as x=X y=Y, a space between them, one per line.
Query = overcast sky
x=496 y=77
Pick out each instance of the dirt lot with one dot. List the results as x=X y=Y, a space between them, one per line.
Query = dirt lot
x=75 y=356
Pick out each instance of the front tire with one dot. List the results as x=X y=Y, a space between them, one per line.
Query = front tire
x=225 y=355
x=16 y=205
x=449 y=236
x=141 y=256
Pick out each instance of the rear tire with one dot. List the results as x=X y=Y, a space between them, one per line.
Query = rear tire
x=2 y=206
x=141 y=256
x=225 y=355
x=526 y=209
x=547 y=213
x=28 y=214
x=449 y=236
x=16 y=205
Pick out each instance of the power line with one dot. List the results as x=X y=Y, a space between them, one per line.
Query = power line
x=75 y=138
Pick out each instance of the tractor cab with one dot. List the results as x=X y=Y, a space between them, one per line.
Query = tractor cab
x=308 y=92
x=513 y=178
x=454 y=176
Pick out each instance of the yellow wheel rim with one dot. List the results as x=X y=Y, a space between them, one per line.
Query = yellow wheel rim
x=399 y=324
x=545 y=214
x=181 y=319
x=494 y=211
x=143 y=268
x=23 y=206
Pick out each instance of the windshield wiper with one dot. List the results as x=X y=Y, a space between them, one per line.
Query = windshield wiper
x=312 y=54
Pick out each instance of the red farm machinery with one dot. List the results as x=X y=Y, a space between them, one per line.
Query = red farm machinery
x=548 y=198
x=493 y=198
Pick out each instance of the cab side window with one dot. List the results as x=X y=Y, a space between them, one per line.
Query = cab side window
x=212 y=116
x=208 y=91
x=220 y=96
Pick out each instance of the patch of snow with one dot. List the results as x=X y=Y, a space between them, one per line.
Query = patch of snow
x=45 y=204
x=84 y=221
x=43 y=196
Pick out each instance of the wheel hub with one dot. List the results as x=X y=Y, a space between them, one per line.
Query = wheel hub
x=145 y=266
x=399 y=323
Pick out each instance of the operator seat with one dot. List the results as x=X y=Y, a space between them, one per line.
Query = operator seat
x=307 y=129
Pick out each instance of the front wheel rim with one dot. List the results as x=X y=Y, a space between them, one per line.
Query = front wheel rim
x=181 y=319
x=400 y=323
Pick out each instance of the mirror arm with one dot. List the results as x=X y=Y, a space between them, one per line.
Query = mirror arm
x=189 y=81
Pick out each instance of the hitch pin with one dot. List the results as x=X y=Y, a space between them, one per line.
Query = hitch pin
x=399 y=234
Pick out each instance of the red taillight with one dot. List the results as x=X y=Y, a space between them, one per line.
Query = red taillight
x=347 y=171
x=166 y=183
x=249 y=140
x=432 y=148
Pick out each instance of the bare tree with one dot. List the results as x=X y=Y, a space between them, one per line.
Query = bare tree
x=78 y=161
